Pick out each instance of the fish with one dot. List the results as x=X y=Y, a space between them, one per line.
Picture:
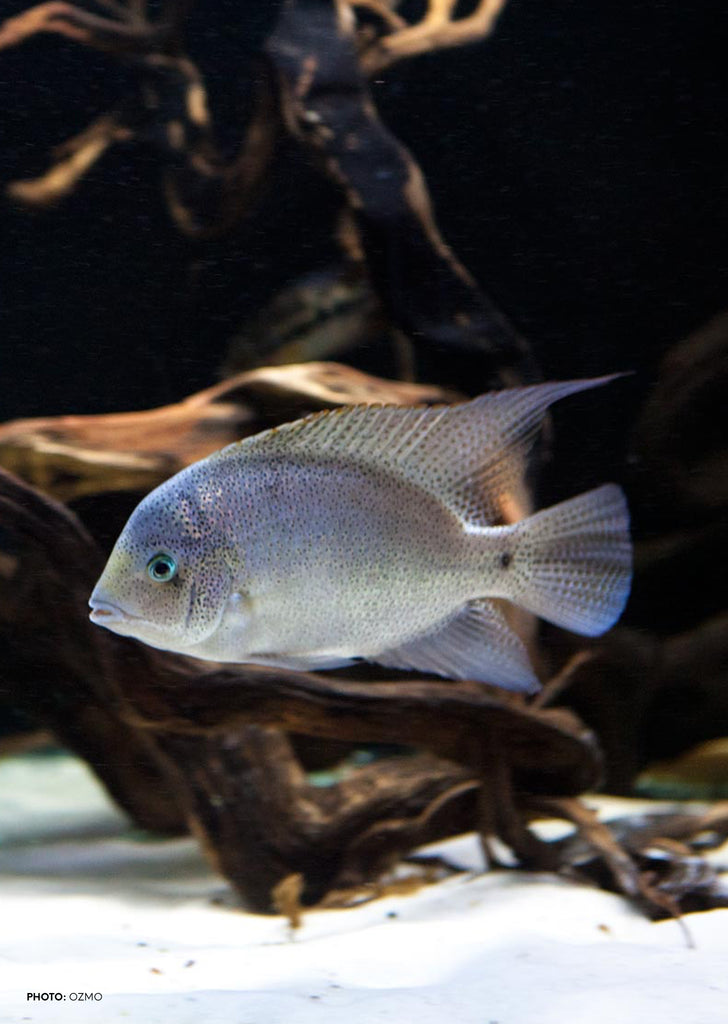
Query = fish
x=370 y=532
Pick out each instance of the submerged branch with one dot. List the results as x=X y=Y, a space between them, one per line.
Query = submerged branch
x=206 y=192
x=425 y=288
x=71 y=457
x=440 y=27
x=177 y=745
x=206 y=736
x=74 y=159
x=127 y=32
x=319 y=57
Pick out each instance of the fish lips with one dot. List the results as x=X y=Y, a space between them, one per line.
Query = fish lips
x=110 y=616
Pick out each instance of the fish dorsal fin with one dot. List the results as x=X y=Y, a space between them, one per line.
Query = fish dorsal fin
x=469 y=455
x=476 y=643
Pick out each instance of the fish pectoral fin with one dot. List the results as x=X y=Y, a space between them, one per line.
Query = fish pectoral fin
x=476 y=643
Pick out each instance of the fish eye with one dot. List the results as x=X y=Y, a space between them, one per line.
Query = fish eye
x=161 y=567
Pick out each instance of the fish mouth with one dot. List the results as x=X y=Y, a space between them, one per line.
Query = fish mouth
x=103 y=613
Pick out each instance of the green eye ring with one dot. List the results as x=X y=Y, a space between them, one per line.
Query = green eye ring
x=161 y=568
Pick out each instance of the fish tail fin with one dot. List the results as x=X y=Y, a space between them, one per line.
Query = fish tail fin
x=573 y=562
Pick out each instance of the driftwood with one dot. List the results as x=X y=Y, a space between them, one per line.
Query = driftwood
x=69 y=676
x=439 y=26
x=50 y=664
x=94 y=690
x=179 y=746
x=182 y=135
x=327 y=106
x=130 y=26
x=315 y=85
x=70 y=457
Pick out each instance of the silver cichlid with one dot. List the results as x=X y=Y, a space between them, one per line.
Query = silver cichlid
x=368 y=532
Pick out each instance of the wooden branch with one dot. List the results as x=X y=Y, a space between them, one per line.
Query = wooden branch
x=437 y=29
x=126 y=33
x=176 y=745
x=597 y=836
x=74 y=159
x=548 y=751
x=260 y=821
x=383 y=9
x=426 y=290
x=70 y=457
x=324 y=101
x=654 y=858
x=206 y=193
x=244 y=792
x=53 y=667
x=161 y=733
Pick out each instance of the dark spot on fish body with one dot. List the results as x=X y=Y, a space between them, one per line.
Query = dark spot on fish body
x=506 y=559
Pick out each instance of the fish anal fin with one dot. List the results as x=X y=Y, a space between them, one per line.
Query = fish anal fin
x=476 y=643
